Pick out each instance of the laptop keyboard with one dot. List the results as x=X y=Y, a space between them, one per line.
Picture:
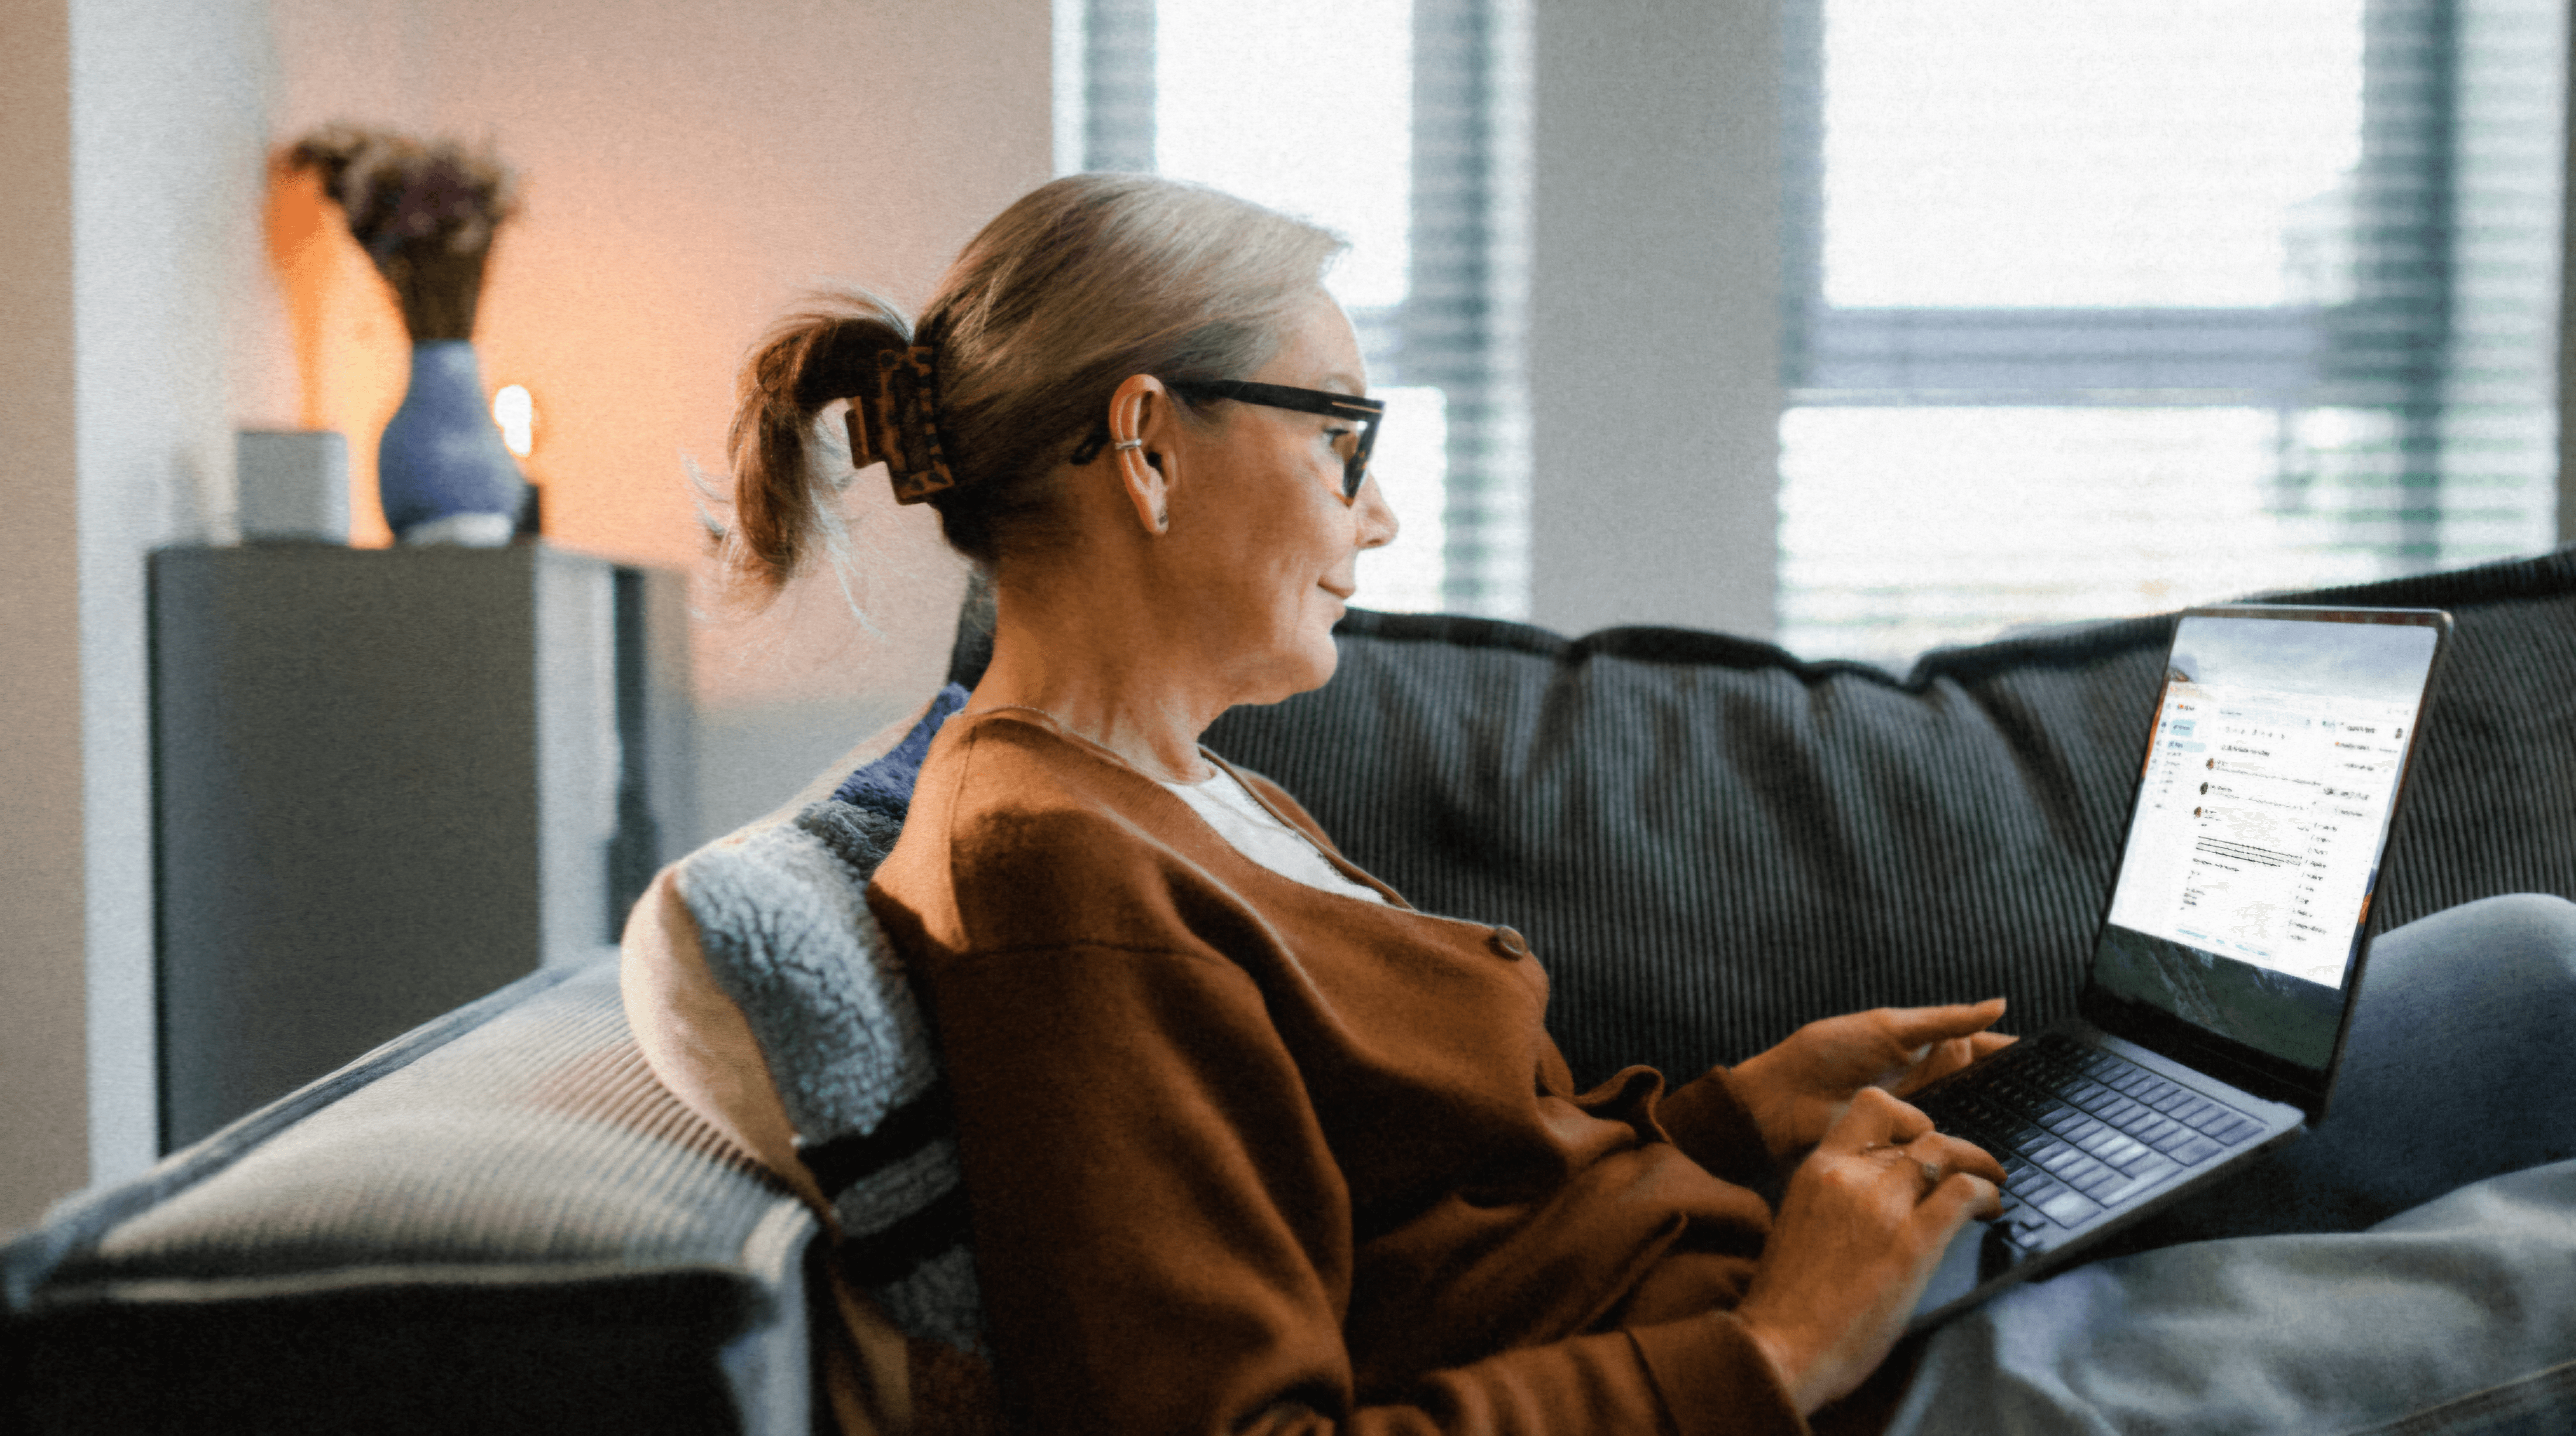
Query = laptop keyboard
x=2078 y=1129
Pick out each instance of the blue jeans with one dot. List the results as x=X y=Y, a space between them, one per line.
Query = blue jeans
x=2409 y=1265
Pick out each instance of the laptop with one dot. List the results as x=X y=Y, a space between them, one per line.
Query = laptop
x=2229 y=959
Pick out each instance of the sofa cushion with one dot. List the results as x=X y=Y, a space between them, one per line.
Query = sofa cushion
x=499 y=1221
x=1711 y=842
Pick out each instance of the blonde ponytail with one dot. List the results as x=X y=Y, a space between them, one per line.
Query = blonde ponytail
x=825 y=351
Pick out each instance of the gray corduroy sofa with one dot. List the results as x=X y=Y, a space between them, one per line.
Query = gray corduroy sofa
x=502 y=1222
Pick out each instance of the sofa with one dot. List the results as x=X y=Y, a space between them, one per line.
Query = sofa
x=501 y=1221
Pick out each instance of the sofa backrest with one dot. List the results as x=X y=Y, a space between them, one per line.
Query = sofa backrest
x=1710 y=842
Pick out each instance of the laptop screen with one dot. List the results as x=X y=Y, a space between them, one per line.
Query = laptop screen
x=2272 y=773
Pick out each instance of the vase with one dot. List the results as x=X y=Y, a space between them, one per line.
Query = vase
x=442 y=471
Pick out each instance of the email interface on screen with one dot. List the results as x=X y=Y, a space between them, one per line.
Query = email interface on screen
x=2269 y=782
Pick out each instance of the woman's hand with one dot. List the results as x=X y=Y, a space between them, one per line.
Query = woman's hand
x=1797 y=1090
x=1865 y=1221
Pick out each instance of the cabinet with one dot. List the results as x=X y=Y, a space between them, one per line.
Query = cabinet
x=387 y=782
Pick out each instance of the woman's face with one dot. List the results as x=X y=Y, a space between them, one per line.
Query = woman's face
x=1266 y=547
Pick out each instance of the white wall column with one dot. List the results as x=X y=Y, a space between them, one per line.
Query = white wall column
x=43 y=1071
x=169 y=162
x=135 y=147
x=1654 y=314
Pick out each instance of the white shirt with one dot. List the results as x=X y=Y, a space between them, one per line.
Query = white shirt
x=1239 y=818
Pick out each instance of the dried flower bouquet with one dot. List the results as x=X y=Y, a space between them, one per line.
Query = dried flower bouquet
x=424 y=212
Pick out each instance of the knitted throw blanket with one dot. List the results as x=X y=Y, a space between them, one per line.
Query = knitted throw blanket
x=785 y=925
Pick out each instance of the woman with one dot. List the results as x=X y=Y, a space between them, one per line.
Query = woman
x=1250 y=1143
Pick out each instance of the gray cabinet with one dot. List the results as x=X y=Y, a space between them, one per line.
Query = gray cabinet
x=387 y=782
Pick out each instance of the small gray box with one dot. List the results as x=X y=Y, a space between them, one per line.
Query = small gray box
x=294 y=484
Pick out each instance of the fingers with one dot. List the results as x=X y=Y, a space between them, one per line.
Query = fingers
x=1922 y=1026
x=1935 y=1157
x=1948 y=1057
x=1875 y=1119
x=1953 y=1154
x=1960 y=1199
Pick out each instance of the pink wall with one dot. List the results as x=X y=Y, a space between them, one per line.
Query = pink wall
x=689 y=168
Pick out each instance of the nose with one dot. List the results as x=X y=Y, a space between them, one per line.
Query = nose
x=1377 y=526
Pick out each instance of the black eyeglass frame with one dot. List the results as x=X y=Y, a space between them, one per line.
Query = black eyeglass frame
x=1367 y=412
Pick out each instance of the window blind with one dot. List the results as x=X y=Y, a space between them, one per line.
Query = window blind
x=2105 y=309
x=1414 y=146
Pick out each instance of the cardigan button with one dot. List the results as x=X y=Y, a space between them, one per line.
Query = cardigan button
x=1509 y=943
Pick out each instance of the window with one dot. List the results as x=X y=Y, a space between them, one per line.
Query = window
x=1395 y=123
x=2106 y=309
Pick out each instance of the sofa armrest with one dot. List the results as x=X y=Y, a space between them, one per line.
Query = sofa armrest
x=497 y=1221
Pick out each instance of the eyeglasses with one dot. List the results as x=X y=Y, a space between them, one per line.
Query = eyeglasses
x=1354 y=446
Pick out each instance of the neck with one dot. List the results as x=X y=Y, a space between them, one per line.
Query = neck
x=1099 y=665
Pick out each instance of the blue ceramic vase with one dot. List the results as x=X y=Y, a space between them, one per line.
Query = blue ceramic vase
x=442 y=471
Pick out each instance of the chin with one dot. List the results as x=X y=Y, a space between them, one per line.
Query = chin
x=1323 y=660
x=1320 y=652
x=1300 y=668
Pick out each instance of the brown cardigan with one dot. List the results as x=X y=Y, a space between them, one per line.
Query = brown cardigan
x=1246 y=1155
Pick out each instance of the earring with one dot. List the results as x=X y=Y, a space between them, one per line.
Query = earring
x=1162 y=520
x=1124 y=445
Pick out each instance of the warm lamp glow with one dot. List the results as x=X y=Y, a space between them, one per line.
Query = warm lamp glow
x=516 y=413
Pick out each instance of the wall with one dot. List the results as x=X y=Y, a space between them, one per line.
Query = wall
x=690 y=169
x=691 y=166
x=43 y=1125
x=135 y=128
x=1654 y=319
